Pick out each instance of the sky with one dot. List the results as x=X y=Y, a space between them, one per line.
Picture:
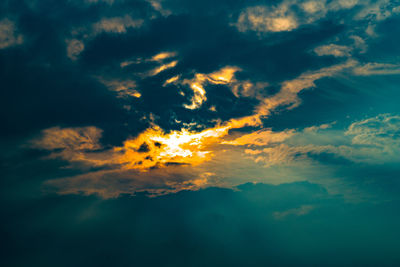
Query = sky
x=200 y=133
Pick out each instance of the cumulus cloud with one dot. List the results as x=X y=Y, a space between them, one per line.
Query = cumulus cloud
x=9 y=35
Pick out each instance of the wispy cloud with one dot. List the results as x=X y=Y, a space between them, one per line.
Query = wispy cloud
x=111 y=25
x=377 y=69
x=333 y=50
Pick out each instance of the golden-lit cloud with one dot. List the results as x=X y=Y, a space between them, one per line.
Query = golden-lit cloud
x=163 y=55
x=156 y=154
x=71 y=144
x=77 y=139
x=172 y=80
x=163 y=67
x=160 y=163
x=151 y=148
x=154 y=148
x=222 y=76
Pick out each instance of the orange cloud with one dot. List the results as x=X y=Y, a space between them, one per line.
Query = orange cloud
x=154 y=159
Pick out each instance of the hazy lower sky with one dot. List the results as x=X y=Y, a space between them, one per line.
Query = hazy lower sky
x=200 y=133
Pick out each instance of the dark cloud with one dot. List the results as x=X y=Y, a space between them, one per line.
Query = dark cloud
x=125 y=99
x=210 y=227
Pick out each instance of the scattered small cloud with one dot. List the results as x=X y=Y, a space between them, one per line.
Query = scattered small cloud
x=300 y=211
x=333 y=50
x=9 y=35
x=123 y=88
x=74 y=48
x=267 y=19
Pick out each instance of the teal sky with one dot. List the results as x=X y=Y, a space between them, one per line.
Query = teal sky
x=200 y=133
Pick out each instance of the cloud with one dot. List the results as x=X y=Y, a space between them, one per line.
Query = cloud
x=382 y=130
x=125 y=88
x=8 y=34
x=163 y=55
x=152 y=148
x=343 y=4
x=157 y=5
x=378 y=10
x=70 y=144
x=110 y=25
x=156 y=149
x=162 y=163
x=223 y=76
x=377 y=69
x=113 y=183
x=229 y=100
x=300 y=211
x=116 y=25
x=291 y=14
x=261 y=138
x=319 y=127
x=288 y=95
x=74 y=48
x=336 y=50
x=374 y=141
x=163 y=67
x=265 y=19
x=77 y=139
x=333 y=50
x=313 y=7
